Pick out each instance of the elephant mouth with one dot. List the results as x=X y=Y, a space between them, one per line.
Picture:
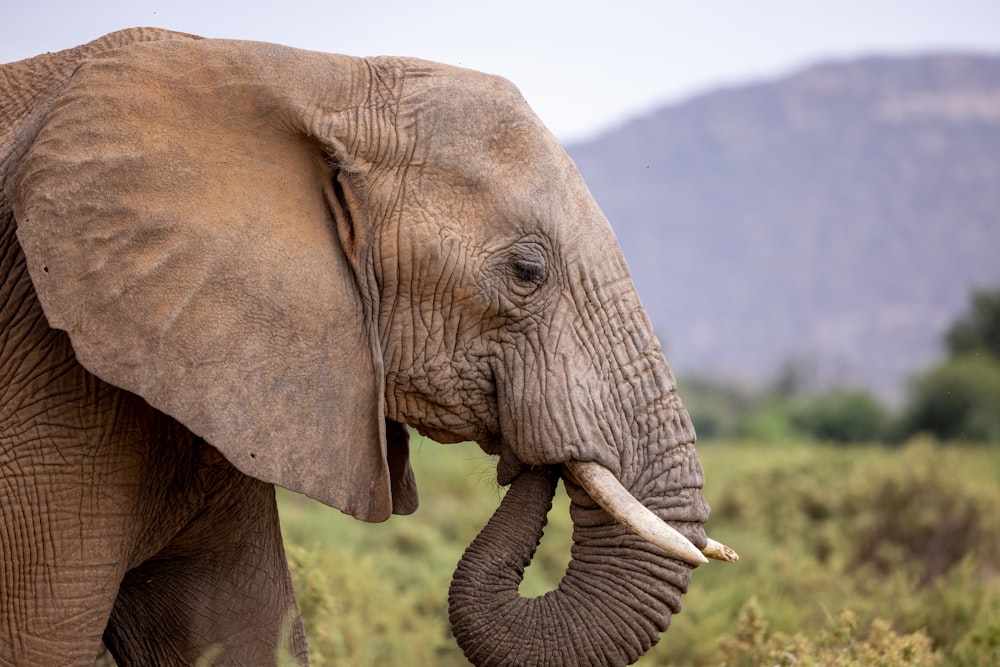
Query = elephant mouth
x=605 y=489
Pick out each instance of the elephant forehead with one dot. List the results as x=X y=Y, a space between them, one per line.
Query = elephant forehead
x=504 y=189
x=466 y=114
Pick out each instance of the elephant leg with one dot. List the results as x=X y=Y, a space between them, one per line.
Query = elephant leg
x=74 y=458
x=219 y=590
x=58 y=574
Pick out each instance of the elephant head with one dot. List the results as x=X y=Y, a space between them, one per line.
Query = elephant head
x=294 y=254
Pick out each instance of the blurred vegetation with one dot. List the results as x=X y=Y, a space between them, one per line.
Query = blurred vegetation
x=850 y=556
x=837 y=644
x=956 y=400
x=979 y=330
x=959 y=399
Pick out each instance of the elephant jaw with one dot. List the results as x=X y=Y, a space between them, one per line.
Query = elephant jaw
x=601 y=484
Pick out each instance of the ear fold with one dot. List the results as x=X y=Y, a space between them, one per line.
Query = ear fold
x=179 y=234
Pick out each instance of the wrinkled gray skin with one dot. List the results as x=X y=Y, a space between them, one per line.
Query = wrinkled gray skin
x=229 y=265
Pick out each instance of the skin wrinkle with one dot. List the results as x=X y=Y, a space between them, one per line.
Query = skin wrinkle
x=36 y=82
x=17 y=406
x=47 y=552
x=585 y=337
x=455 y=196
x=440 y=273
x=596 y=584
x=533 y=366
x=635 y=375
x=455 y=319
x=614 y=599
x=592 y=331
x=384 y=96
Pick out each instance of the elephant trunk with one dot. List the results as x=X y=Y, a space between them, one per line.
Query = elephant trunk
x=616 y=597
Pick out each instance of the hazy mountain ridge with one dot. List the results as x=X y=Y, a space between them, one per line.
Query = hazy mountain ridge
x=839 y=215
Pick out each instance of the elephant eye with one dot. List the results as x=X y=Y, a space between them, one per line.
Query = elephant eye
x=526 y=267
x=528 y=272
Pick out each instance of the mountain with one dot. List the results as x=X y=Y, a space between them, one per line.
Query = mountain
x=836 y=219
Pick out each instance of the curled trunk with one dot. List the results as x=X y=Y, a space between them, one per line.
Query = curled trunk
x=616 y=597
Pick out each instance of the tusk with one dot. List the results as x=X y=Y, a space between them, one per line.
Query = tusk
x=719 y=551
x=609 y=493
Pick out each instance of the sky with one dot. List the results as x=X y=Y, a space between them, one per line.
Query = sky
x=583 y=66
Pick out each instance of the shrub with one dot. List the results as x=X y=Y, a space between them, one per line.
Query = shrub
x=957 y=400
x=910 y=536
x=841 y=416
x=839 y=644
x=922 y=511
x=771 y=422
x=356 y=615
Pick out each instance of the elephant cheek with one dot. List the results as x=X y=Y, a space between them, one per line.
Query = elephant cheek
x=552 y=410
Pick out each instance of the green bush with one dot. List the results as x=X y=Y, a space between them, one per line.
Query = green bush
x=910 y=536
x=840 y=416
x=840 y=644
x=723 y=410
x=346 y=600
x=957 y=400
x=771 y=422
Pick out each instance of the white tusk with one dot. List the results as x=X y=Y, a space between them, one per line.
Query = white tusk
x=720 y=551
x=609 y=493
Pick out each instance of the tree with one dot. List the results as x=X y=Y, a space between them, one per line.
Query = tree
x=959 y=399
x=979 y=331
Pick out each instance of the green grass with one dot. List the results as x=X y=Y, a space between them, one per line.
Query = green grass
x=850 y=556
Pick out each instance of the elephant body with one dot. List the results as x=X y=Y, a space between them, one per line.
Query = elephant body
x=229 y=265
x=116 y=518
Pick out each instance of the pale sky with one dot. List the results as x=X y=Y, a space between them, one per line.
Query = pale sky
x=584 y=66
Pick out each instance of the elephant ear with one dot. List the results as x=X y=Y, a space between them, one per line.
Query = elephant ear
x=178 y=231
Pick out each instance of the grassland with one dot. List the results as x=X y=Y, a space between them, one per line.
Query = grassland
x=859 y=555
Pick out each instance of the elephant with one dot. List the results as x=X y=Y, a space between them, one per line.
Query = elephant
x=232 y=265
